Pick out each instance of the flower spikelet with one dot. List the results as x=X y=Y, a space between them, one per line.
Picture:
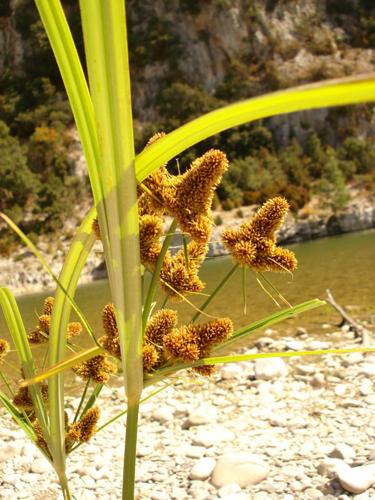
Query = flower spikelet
x=40 y=441
x=22 y=399
x=181 y=343
x=4 y=348
x=150 y=230
x=109 y=321
x=44 y=323
x=96 y=228
x=48 y=305
x=160 y=324
x=83 y=430
x=212 y=333
x=97 y=368
x=73 y=330
x=179 y=274
x=150 y=357
x=110 y=341
x=254 y=243
x=192 y=342
x=205 y=370
x=194 y=194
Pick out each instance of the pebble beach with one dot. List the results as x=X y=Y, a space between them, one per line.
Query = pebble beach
x=268 y=429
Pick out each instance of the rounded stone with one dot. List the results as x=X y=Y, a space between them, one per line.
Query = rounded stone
x=357 y=479
x=203 y=468
x=244 y=469
x=270 y=368
x=342 y=451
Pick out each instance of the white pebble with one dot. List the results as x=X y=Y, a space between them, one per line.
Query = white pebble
x=203 y=468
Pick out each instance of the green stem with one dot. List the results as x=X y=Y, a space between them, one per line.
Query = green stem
x=214 y=293
x=64 y=486
x=81 y=401
x=156 y=273
x=130 y=450
x=6 y=383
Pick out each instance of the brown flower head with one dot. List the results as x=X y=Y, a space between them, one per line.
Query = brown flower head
x=179 y=273
x=150 y=357
x=205 y=370
x=73 y=330
x=96 y=228
x=4 y=348
x=186 y=197
x=110 y=341
x=109 y=321
x=161 y=323
x=48 y=304
x=194 y=194
x=254 y=244
x=150 y=231
x=22 y=399
x=193 y=342
x=39 y=437
x=97 y=368
x=181 y=343
x=83 y=430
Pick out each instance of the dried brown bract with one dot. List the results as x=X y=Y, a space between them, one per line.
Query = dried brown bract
x=254 y=243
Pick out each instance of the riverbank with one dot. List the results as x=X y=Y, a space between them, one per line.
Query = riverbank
x=23 y=273
x=263 y=430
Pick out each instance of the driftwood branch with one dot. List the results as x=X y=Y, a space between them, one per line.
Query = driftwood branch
x=358 y=329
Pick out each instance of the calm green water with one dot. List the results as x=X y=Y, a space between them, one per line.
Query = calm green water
x=345 y=264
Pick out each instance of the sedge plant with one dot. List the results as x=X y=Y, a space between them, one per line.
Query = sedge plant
x=133 y=195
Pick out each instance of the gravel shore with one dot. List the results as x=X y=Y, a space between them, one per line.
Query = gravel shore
x=300 y=429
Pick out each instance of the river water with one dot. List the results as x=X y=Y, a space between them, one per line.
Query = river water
x=345 y=264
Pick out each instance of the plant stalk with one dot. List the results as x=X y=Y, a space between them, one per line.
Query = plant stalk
x=130 y=450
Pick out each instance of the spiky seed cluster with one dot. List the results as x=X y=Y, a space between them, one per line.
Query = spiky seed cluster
x=150 y=357
x=4 y=348
x=40 y=441
x=96 y=229
x=160 y=324
x=22 y=399
x=40 y=334
x=205 y=370
x=150 y=231
x=186 y=197
x=110 y=341
x=97 y=368
x=179 y=273
x=193 y=342
x=83 y=430
x=254 y=243
x=48 y=305
x=192 y=205
x=73 y=330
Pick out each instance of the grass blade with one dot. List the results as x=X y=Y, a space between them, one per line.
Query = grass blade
x=352 y=90
x=19 y=337
x=282 y=354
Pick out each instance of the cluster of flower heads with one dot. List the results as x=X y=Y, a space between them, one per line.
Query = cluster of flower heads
x=76 y=432
x=163 y=342
x=40 y=334
x=187 y=198
x=254 y=243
